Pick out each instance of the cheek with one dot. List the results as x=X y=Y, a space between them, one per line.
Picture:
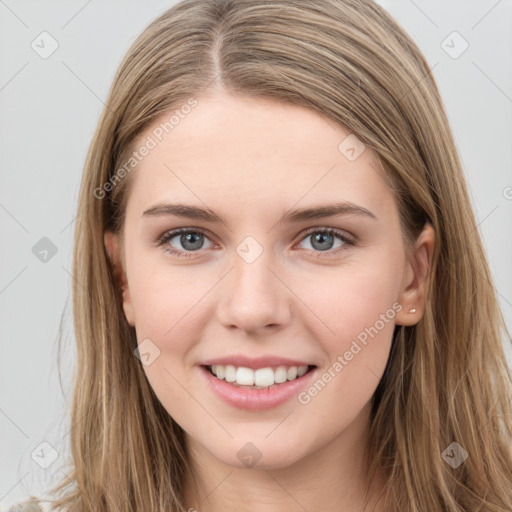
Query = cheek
x=357 y=307
x=169 y=314
x=348 y=299
x=356 y=359
x=166 y=300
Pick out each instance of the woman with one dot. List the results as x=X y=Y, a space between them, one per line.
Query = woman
x=226 y=362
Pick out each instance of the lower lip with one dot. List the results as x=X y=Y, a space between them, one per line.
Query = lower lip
x=256 y=399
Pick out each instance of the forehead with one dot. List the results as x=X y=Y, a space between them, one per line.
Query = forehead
x=241 y=150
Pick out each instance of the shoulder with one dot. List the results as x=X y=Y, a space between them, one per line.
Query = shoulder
x=28 y=506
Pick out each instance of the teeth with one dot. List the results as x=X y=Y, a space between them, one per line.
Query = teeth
x=260 y=378
x=244 y=376
x=230 y=373
x=292 y=373
x=264 y=377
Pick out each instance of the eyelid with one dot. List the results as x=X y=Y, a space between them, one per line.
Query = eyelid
x=347 y=238
x=171 y=233
x=344 y=235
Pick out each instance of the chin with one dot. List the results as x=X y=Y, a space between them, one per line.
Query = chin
x=256 y=452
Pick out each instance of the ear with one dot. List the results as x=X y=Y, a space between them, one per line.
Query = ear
x=112 y=245
x=414 y=290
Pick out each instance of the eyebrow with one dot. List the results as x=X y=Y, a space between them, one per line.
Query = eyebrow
x=291 y=216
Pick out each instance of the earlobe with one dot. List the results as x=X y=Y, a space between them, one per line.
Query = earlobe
x=111 y=242
x=414 y=291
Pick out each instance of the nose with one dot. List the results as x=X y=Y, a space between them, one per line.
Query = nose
x=254 y=298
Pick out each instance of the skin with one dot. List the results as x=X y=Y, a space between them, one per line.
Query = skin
x=251 y=160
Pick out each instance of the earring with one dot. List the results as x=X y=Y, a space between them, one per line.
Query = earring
x=413 y=310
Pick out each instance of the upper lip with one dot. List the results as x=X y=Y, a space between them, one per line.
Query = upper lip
x=255 y=362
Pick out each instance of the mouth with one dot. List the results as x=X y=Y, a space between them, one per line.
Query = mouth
x=262 y=378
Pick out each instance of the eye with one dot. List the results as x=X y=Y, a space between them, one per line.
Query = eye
x=322 y=240
x=191 y=240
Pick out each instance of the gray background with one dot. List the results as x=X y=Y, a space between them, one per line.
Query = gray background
x=49 y=110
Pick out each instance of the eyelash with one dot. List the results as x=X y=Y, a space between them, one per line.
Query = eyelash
x=166 y=237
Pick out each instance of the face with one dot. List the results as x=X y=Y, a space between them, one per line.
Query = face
x=266 y=286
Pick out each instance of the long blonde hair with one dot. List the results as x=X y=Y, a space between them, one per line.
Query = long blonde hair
x=447 y=380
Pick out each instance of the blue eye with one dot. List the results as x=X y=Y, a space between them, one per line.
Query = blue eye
x=192 y=240
x=323 y=239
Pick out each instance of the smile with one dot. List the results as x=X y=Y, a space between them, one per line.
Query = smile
x=257 y=389
x=260 y=378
